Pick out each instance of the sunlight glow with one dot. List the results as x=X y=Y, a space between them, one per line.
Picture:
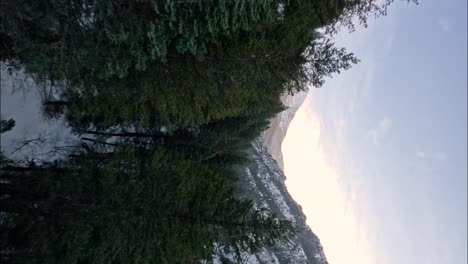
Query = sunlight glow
x=314 y=184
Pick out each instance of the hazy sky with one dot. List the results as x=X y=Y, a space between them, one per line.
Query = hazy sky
x=385 y=179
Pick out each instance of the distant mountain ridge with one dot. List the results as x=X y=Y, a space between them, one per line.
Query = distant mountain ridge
x=274 y=135
x=265 y=185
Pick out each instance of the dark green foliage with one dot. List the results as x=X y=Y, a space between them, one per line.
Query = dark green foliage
x=324 y=59
x=69 y=39
x=135 y=206
x=359 y=11
x=245 y=55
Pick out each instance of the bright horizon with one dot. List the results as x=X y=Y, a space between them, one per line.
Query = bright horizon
x=315 y=185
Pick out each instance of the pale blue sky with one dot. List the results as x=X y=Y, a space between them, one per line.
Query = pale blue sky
x=395 y=127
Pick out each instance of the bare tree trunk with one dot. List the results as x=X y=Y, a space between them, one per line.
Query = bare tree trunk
x=124 y=134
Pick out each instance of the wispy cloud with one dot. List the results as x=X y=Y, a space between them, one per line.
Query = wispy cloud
x=440 y=156
x=421 y=154
x=444 y=24
x=380 y=131
x=437 y=155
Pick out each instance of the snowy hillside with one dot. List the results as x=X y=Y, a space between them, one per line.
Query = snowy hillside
x=264 y=184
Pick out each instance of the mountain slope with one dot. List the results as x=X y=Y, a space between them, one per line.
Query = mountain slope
x=264 y=184
x=274 y=135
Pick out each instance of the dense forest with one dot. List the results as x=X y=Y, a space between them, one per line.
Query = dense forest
x=166 y=96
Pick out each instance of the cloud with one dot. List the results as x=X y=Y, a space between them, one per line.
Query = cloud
x=421 y=154
x=437 y=155
x=444 y=24
x=380 y=131
x=341 y=123
x=440 y=156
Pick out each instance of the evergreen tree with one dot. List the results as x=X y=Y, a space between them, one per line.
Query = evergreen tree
x=134 y=206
